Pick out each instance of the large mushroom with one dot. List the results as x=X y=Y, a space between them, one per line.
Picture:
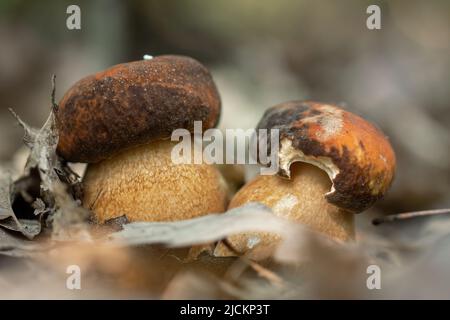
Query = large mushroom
x=120 y=121
x=332 y=164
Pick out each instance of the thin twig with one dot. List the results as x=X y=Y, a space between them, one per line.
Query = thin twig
x=409 y=215
x=263 y=272
x=91 y=206
x=54 y=104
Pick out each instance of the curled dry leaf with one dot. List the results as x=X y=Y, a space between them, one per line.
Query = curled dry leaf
x=52 y=173
x=5 y=194
x=202 y=230
x=29 y=228
x=253 y=217
x=39 y=189
x=42 y=144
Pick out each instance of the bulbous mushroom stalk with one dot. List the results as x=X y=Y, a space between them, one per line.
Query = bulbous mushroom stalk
x=332 y=163
x=145 y=185
x=119 y=121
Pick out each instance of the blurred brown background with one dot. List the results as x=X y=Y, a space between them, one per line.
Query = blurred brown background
x=260 y=53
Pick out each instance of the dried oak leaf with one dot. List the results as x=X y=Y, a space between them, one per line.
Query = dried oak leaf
x=29 y=228
x=54 y=200
x=42 y=144
x=201 y=230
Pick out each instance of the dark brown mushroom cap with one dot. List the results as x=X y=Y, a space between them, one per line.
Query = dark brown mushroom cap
x=356 y=155
x=132 y=104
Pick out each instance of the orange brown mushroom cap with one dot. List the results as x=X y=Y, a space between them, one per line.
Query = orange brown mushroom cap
x=356 y=155
x=132 y=104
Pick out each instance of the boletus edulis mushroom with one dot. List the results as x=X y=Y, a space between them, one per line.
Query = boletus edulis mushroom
x=332 y=164
x=120 y=121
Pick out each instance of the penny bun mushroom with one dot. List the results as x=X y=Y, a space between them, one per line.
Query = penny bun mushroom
x=332 y=164
x=120 y=122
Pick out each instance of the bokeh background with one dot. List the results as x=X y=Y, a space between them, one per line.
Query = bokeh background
x=260 y=53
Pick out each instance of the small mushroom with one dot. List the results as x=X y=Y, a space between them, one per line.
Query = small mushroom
x=120 y=121
x=332 y=164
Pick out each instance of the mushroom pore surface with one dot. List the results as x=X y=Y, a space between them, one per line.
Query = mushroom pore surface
x=145 y=185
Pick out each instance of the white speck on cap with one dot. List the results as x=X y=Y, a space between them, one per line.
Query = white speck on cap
x=147 y=57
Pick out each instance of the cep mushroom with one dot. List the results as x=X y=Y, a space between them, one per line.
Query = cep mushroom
x=119 y=121
x=332 y=164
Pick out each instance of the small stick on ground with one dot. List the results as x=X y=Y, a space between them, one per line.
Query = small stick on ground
x=409 y=215
x=260 y=270
x=54 y=104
